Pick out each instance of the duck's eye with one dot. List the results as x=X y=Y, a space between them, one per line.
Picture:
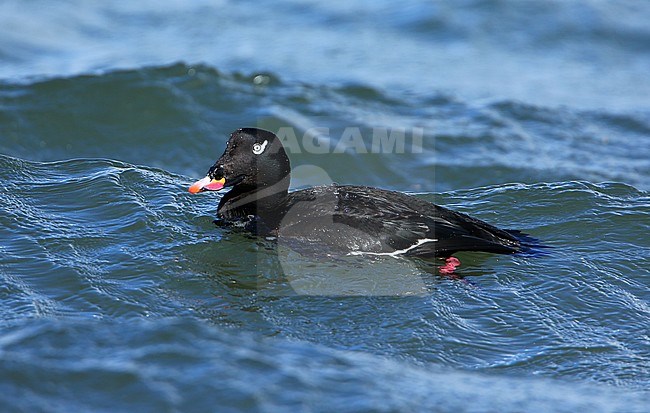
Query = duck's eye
x=258 y=148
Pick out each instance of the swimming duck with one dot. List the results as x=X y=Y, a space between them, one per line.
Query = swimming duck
x=342 y=219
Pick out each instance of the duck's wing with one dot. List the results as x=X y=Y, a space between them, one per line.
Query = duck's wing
x=357 y=219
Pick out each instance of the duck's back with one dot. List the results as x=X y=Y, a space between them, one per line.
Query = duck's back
x=365 y=220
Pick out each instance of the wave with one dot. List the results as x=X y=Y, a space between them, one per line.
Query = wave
x=178 y=118
x=186 y=365
x=100 y=239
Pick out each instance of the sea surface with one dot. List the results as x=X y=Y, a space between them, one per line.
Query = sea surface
x=119 y=294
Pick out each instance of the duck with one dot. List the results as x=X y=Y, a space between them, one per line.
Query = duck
x=339 y=219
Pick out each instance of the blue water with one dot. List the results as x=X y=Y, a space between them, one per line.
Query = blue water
x=117 y=293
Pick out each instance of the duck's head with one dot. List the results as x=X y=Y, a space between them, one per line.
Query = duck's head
x=253 y=159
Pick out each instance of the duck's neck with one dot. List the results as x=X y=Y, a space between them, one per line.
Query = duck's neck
x=266 y=203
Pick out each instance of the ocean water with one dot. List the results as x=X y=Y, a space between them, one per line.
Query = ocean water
x=117 y=292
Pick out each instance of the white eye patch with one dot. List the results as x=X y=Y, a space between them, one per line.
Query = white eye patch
x=259 y=148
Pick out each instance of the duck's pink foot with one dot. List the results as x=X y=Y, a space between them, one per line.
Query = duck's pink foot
x=450 y=266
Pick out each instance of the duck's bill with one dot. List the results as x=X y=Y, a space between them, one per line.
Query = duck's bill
x=207 y=184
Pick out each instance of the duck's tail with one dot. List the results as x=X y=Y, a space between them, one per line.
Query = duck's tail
x=530 y=245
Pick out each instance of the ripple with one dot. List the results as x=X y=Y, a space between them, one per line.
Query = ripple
x=153 y=365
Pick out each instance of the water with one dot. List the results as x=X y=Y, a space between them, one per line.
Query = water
x=117 y=293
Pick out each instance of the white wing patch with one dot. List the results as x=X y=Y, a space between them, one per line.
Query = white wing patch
x=397 y=252
x=259 y=148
